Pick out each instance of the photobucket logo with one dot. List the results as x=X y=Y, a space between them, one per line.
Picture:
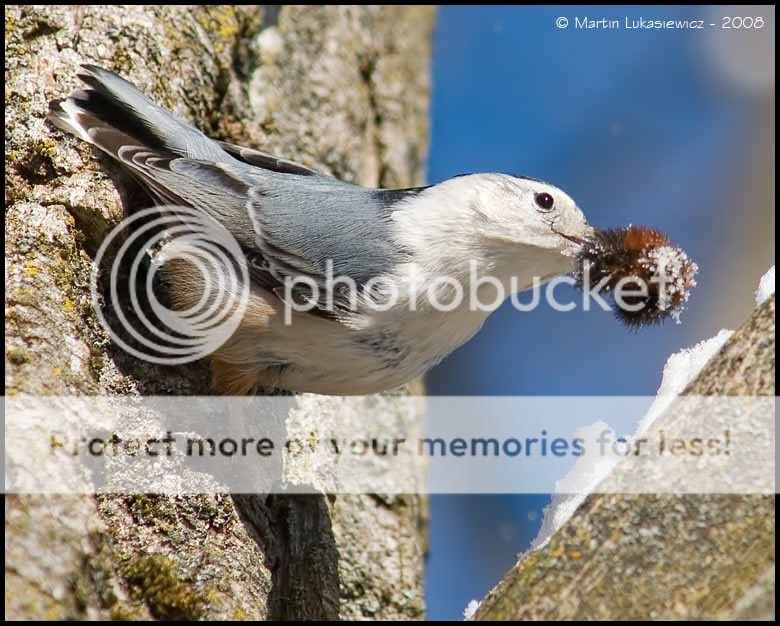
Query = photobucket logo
x=208 y=280
x=475 y=291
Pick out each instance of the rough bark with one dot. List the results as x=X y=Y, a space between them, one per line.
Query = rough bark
x=638 y=557
x=344 y=89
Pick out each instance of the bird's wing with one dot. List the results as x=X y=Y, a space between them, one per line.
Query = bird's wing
x=290 y=221
x=266 y=161
x=323 y=229
x=303 y=229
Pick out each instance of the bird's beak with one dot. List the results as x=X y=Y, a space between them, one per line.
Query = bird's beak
x=578 y=240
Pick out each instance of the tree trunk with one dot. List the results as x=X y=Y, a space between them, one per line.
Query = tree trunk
x=344 y=89
x=641 y=557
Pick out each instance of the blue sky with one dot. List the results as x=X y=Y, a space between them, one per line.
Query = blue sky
x=637 y=128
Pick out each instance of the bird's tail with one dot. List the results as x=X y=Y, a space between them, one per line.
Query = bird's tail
x=112 y=114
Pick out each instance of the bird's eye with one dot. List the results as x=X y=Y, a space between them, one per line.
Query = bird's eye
x=544 y=201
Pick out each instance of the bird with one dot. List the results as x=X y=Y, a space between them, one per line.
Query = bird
x=489 y=235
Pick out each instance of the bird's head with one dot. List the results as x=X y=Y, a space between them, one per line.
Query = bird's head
x=516 y=215
x=513 y=226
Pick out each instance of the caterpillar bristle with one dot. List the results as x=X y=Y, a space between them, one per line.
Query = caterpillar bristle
x=649 y=277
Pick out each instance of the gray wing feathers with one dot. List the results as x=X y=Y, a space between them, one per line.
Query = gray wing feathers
x=290 y=220
x=322 y=220
x=266 y=161
x=120 y=96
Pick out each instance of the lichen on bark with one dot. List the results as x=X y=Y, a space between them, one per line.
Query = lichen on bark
x=661 y=556
x=344 y=89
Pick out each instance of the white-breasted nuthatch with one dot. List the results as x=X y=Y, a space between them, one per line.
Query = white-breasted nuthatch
x=293 y=223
